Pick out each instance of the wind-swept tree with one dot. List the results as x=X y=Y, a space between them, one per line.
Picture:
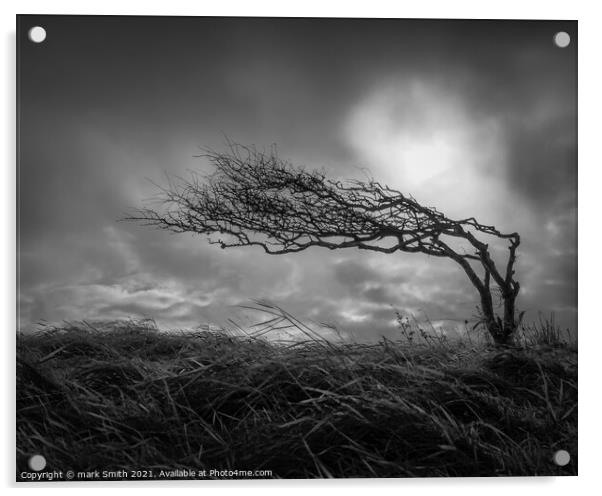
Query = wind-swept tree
x=255 y=198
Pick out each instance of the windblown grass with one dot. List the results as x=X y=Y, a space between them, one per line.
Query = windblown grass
x=133 y=397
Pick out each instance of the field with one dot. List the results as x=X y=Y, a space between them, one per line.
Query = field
x=133 y=397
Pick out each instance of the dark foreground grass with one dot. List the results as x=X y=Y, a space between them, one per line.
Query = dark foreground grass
x=135 y=398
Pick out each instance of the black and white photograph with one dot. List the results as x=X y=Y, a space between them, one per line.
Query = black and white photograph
x=295 y=248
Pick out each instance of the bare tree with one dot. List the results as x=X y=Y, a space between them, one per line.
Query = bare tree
x=256 y=198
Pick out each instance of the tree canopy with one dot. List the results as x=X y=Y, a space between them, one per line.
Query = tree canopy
x=255 y=198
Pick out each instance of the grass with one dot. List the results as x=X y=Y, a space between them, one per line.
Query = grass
x=137 y=398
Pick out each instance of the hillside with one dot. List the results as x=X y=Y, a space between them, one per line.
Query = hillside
x=137 y=398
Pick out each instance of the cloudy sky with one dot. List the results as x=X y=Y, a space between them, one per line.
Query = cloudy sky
x=476 y=118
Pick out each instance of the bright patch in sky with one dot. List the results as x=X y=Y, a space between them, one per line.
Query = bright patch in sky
x=421 y=139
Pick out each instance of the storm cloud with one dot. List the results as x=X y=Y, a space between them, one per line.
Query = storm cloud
x=476 y=118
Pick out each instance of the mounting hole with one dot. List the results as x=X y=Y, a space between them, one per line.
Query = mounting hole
x=37 y=34
x=562 y=458
x=37 y=463
x=562 y=39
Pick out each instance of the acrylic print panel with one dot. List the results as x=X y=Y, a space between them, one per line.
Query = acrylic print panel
x=296 y=248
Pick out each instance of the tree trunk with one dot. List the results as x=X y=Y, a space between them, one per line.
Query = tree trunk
x=502 y=331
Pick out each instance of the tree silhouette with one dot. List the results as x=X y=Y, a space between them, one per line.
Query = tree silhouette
x=255 y=198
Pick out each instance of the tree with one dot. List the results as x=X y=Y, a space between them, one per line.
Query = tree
x=255 y=198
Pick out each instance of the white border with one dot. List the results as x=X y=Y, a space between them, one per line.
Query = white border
x=590 y=83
